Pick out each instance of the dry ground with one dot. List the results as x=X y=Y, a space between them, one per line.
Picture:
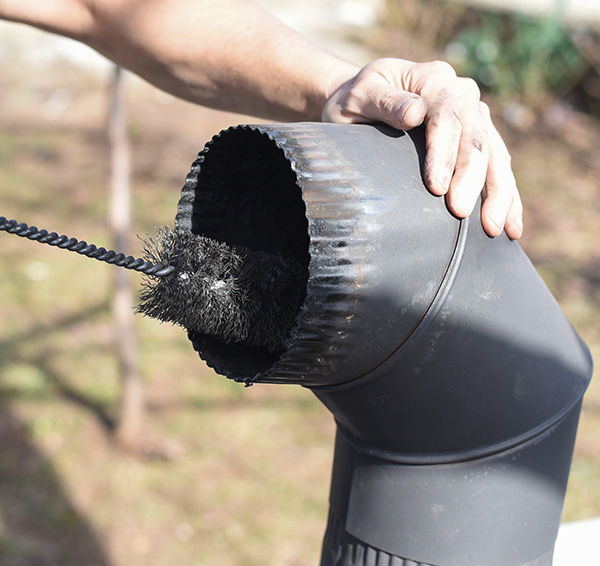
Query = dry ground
x=247 y=476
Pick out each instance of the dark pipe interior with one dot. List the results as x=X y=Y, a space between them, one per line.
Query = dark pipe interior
x=248 y=195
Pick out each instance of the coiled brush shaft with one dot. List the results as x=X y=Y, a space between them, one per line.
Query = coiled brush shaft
x=83 y=248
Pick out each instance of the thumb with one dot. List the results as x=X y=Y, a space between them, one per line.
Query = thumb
x=370 y=100
x=398 y=108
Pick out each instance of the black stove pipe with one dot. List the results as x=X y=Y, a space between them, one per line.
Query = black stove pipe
x=454 y=377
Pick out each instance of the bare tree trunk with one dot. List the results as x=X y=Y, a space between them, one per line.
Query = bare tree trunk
x=131 y=413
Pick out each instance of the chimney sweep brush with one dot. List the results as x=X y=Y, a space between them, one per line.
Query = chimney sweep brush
x=227 y=292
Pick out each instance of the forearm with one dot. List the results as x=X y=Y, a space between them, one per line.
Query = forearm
x=226 y=54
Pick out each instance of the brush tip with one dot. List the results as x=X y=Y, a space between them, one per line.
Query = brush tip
x=228 y=292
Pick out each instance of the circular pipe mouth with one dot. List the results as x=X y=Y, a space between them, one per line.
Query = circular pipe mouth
x=246 y=194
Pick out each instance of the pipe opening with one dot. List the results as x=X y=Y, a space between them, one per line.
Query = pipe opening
x=247 y=194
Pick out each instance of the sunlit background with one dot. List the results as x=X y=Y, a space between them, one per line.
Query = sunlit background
x=215 y=473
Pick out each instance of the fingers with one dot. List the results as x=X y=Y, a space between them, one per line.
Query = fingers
x=444 y=131
x=458 y=152
x=465 y=153
x=502 y=207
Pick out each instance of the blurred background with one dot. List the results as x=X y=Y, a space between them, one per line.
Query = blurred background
x=192 y=469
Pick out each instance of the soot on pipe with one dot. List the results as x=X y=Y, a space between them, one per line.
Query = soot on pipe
x=454 y=377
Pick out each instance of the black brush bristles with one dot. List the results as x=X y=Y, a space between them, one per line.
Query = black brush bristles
x=228 y=292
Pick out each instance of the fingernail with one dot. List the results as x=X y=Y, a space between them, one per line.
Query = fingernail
x=498 y=219
x=403 y=108
x=519 y=224
x=443 y=181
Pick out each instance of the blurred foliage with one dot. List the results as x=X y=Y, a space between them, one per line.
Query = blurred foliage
x=516 y=58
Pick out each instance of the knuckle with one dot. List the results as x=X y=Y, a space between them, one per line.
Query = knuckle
x=448 y=122
x=441 y=68
x=445 y=110
x=470 y=87
x=485 y=110
x=373 y=66
x=383 y=67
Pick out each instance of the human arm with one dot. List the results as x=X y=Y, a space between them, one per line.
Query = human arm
x=232 y=55
x=226 y=54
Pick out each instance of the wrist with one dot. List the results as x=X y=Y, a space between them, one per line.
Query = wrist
x=333 y=74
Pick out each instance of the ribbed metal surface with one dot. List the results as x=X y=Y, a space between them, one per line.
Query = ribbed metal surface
x=342 y=549
x=332 y=191
x=335 y=168
x=338 y=256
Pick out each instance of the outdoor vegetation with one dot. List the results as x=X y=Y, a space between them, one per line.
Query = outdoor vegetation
x=223 y=474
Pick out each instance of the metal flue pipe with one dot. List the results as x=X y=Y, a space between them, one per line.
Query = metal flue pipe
x=454 y=377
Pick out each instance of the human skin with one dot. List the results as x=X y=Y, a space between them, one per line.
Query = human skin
x=232 y=55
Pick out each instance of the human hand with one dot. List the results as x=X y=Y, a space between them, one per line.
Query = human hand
x=464 y=150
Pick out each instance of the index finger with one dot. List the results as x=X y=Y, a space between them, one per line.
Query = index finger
x=444 y=130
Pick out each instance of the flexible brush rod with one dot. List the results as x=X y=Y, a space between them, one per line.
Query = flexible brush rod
x=83 y=248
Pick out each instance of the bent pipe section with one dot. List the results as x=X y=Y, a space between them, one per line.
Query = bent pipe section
x=453 y=375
